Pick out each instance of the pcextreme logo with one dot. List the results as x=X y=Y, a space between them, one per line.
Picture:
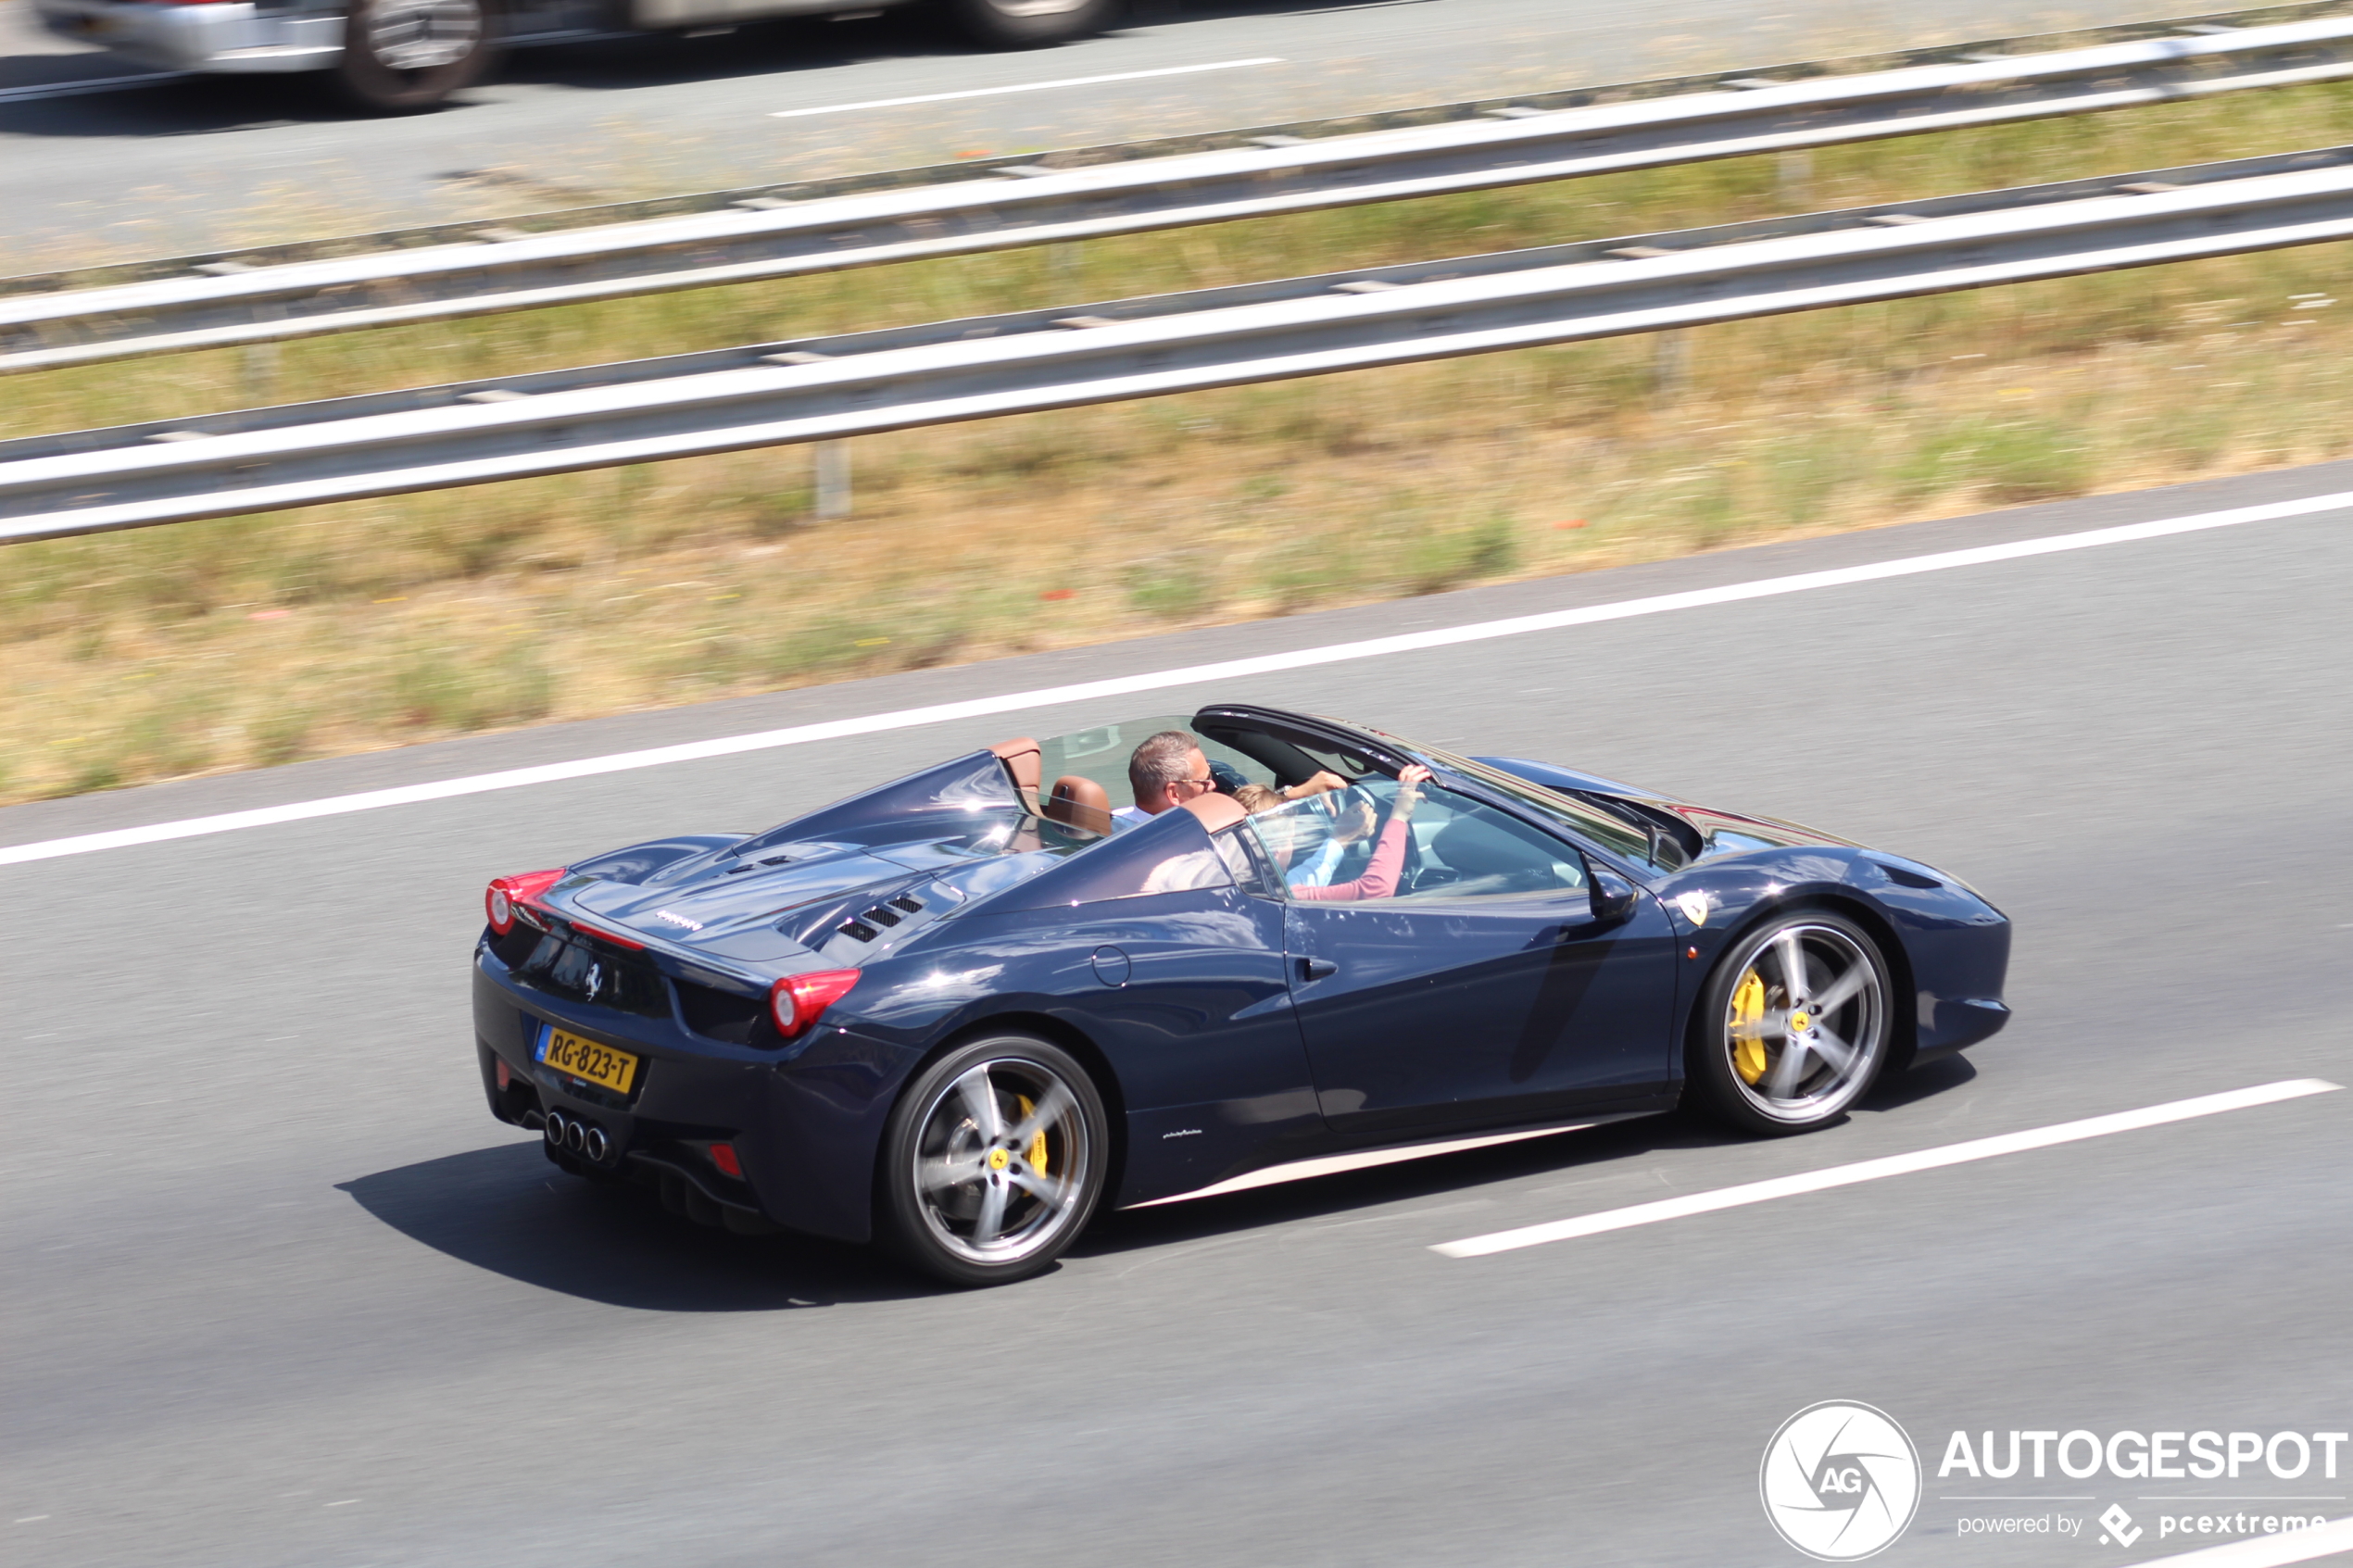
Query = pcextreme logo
x=1839 y=1481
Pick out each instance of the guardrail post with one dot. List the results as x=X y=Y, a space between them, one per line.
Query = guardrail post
x=1670 y=358
x=832 y=479
x=1793 y=176
x=258 y=372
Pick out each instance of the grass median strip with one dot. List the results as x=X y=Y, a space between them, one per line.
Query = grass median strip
x=210 y=646
x=1161 y=680
x=1879 y=1170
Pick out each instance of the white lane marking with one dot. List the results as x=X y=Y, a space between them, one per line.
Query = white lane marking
x=1332 y=1164
x=1160 y=680
x=1891 y=1165
x=100 y=85
x=1024 y=87
x=2267 y=1552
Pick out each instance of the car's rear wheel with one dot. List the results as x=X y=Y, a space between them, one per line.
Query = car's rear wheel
x=994 y=1160
x=1792 y=1026
x=1022 y=24
x=401 y=55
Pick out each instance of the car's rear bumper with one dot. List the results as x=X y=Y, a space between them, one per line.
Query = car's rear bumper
x=804 y=1123
x=227 y=35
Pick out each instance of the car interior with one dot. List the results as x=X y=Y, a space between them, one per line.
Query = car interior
x=1457 y=848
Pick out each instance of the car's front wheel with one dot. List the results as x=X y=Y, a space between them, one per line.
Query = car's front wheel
x=1792 y=1026
x=1022 y=24
x=994 y=1160
x=400 y=55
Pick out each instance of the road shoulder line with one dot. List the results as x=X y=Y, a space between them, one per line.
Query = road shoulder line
x=1160 y=680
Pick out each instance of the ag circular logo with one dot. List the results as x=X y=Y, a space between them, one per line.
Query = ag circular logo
x=1839 y=1481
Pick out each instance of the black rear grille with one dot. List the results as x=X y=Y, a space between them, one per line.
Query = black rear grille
x=582 y=970
x=721 y=1015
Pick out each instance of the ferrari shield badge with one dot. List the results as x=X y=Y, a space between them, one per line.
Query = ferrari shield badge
x=1694 y=907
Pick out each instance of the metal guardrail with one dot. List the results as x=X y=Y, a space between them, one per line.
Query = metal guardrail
x=323 y=248
x=1034 y=204
x=819 y=389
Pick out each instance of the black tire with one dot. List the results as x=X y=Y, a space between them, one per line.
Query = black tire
x=1029 y=24
x=993 y=1162
x=1765 y=1066
x=403 y=56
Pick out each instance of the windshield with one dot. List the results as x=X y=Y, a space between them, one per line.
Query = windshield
x=1636 y=843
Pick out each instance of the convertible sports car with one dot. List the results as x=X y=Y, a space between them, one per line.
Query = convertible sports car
x=959 y=1012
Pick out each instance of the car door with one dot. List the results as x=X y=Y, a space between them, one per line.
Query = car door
x=1482 y=990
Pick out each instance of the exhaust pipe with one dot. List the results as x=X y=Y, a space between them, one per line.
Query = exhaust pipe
x=576 y=1136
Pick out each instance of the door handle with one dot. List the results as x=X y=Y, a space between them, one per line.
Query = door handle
x=1317 y=968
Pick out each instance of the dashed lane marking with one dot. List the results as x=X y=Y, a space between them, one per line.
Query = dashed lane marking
x=1876 y=1170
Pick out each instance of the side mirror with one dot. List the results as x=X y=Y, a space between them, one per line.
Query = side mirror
x=1612 y=896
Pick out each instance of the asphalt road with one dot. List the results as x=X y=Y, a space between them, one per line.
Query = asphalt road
x=280 y=1292
x=165 y=169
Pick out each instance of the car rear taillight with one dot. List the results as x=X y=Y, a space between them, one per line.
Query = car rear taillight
x=723 y=1155
x=795 y=1001
x=505 y=892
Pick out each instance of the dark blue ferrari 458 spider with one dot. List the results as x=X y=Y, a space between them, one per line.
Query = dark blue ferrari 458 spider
x=959 y=1012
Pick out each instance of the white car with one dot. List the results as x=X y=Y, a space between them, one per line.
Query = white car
x=390 y=56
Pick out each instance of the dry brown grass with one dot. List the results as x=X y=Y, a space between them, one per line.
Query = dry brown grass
x=227 y=643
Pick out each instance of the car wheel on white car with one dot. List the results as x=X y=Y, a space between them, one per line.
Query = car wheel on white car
x=400 y=55
x=1792 y=1026
x=994 y=1160
x=1020 y=24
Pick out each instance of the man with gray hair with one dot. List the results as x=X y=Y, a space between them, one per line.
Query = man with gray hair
x=1168 y=768
x=1164 y=772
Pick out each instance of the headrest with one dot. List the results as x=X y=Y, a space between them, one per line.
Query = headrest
x=1216 y=810
x=1023 y=760
x=1079 y=801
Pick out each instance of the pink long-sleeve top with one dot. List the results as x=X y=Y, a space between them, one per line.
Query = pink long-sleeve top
x=1381 y=872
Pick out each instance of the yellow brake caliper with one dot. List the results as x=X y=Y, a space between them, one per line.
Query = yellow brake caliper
x=1748 y=1013
x=1035 y=1155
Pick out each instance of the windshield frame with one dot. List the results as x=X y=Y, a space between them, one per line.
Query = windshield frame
x=1607 y=831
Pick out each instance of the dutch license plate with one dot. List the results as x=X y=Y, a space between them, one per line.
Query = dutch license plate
x=586 y=1058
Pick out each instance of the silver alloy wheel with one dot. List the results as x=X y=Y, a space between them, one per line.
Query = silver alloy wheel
x=1002 y=1161
x=1806 y=1021
x=421 y=34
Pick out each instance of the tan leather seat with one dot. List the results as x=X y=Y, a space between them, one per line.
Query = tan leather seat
x=1025 y=761
x=1079 y=802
